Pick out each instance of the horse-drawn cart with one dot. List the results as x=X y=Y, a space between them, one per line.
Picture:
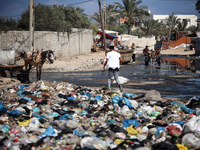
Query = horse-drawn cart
x=8 y=68
x=10 y=71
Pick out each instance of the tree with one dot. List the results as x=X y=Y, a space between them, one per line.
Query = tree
x=55 y=18
x=193 y=28
x=122 y=29
x=8 y=24
x=150 y=27
x=172 y=22
x=182 y=26
x=130 y=11
x=111 y=16
x=198 y=6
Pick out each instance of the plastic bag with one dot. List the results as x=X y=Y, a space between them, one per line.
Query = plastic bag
x=183 y=107
x=190 y=141
x=116 y=99
x=98 y=97
x=34 y=124
x=127 y=102
x=129 y=122
x=14 y=113
x=24 y=123
x=2 y=108
x=49 y=132
x=131 y=130
x=173 y=130
x=66 y=117
x=93 y=141
x=192 y=126
x=129 y=95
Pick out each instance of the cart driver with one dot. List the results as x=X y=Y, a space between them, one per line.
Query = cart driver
x=146 y=51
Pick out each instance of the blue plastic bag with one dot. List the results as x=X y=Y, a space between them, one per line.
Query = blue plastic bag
x=116 y=99
x=84 y=112
x=129 y=122
x=183 y=107
x=66 y=117
x=2 y=108
x=86 y=93
x=55 y=114
x=38 y=116
x=49 y=132
x=160 y=129
x=4 y=128
x=98 y=97
x=129 y=95
x=71 y=98
x=127 y=102
x=36 y=109
x=26 y=98
x=14 y=113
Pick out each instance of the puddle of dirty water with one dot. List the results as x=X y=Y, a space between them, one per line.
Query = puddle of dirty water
x=182 y=64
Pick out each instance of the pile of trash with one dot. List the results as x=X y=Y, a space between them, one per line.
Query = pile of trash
x=63 y=116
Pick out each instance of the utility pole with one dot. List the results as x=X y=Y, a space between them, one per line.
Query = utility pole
x=32 y=26
x=102 y=25
x=171 y=26
x=104 y=13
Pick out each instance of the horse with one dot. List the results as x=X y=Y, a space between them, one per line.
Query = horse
x=36 y=59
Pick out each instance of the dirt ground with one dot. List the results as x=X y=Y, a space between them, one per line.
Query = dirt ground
x=84 y=62
x=94 y=61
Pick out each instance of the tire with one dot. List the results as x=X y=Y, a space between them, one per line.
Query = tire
x=6 y=74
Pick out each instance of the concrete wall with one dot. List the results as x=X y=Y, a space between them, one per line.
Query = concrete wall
x=64 y=44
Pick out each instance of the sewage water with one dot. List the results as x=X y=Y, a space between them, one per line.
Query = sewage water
x=176 y=77
x=183 y=64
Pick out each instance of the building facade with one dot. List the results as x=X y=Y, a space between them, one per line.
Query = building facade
x=191 y=19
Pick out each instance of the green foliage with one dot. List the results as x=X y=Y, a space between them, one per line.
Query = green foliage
x=193 y=28
x=182 y=26
x=7 y=24
x=171 y=22
x=94 y=28
x=129 y=10
x=122 y=29
x=49 y=18
x=198 y=6
x=138 y=32
x=111 y=16
x=153 y=27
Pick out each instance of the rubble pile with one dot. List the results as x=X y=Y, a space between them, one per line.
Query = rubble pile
x=63 y=116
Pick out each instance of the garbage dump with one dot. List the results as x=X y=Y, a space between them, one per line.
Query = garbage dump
x=63 y=116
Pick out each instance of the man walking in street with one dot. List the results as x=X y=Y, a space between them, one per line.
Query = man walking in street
x=113 y=60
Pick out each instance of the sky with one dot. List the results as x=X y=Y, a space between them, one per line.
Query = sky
x=14 y=8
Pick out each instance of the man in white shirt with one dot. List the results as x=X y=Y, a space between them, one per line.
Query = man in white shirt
x=113 y=60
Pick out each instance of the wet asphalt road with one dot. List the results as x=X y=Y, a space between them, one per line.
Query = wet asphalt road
x=165 y=79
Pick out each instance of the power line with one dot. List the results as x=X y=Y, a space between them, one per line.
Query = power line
x=81 y=2
x=10 y=16
x=11 y=8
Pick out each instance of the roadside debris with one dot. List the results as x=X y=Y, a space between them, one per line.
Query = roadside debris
x=61 y=116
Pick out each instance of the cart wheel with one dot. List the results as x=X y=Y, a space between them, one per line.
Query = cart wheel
x=6 y=74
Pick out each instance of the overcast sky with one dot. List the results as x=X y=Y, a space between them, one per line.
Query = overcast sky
x=14 y=8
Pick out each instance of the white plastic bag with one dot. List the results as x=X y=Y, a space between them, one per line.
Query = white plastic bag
x=190 y=141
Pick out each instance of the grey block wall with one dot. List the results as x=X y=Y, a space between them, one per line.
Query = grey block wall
x=64 y=44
